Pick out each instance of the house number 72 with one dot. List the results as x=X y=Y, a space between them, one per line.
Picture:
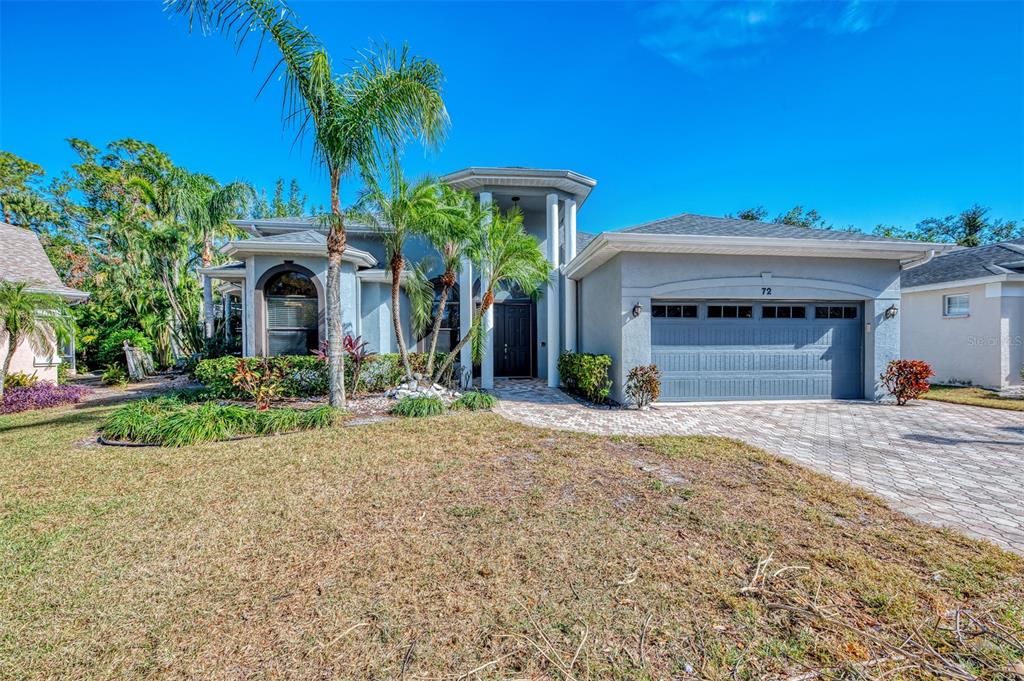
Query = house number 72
x=766 y=291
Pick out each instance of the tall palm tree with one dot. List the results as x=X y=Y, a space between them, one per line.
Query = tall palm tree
x=450 y=230
x=40 y=319
x=394 y=214
x=384 y=100
x=507 y=256
x=219 y=204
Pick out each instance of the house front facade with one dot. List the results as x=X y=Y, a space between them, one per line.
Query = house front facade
x=728 y=309
x=964 y=315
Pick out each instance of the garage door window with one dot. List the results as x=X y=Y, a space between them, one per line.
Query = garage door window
x=835 y=312
x=674 y=311
x=783 y=312
x=730 y=312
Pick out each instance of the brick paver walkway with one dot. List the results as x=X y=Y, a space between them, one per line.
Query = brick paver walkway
x=941 y=463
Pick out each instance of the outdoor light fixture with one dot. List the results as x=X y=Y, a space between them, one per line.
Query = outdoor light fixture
x=637 y=309
x=890 y=312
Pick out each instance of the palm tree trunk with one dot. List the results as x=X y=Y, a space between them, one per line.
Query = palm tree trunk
x=478 y=316
x=12 y=345
x=335 y=249
x=397 y=265
x=442 y=301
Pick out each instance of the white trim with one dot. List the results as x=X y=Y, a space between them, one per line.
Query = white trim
x=379 y=276
x=254 y=247
x=962 y=283
x=606 y=245
x=690 y=286
x=567 y=181
x=959 y=315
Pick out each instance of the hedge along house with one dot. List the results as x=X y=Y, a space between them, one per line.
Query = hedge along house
x=728 y=309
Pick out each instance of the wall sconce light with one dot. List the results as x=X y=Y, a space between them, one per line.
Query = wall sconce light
x=637 y=309
x=890 y=312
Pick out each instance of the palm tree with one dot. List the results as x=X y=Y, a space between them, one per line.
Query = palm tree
x=220 y=204
x=394 y=214
x=457 y=218
x=387 y=98
x=41 y=319
x=507 y=256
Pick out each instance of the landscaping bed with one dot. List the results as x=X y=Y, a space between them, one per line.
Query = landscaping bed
x=975 y=397
x=474 y=547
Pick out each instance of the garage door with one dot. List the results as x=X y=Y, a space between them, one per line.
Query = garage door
x=748 y=350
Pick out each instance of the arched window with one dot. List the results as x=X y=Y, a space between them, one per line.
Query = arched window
x=292 y=314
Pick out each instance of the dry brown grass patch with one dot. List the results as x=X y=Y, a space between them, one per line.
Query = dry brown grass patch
x=464 y=544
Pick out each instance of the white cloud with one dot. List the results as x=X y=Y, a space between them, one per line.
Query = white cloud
x=698 y=35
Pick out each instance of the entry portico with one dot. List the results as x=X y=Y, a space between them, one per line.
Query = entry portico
x=549 y=200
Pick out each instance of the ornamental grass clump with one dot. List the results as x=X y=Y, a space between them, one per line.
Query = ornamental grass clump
x=172 y=422
x=419 y=406
x=40 y=395
x=475 y=400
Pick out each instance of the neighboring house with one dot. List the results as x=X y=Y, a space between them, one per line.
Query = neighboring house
x=22 y=259
x=729 y=309
x=963 y=313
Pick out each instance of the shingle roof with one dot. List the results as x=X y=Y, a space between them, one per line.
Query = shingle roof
x=582 y=239
x=309 y=236
x=23 y=259
x=703 y=225
x=968 y=263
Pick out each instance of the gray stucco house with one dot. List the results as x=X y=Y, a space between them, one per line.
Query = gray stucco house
x=963 y=312
x=728 y=309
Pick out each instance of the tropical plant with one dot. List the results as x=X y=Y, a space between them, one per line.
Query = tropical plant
x=906 y=379
x=394 y=214
x=114 y=375
x=26 y=316
x=384 y=100
x=643 y=385
x=507 y=257
x=358 y=352
x=261 y=383
x=418 y=406
x=19 y=379
x=40 y=396
x=458 y=218
x=475 y=400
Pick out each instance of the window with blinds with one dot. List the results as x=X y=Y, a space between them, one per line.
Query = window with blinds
x=291 y=313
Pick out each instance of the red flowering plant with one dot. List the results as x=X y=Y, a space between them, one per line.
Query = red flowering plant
x=260 y=381
x=907 y=379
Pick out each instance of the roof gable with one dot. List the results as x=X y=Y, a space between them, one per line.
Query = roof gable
x=963 y=264
x=704 y=225
x=22 y=259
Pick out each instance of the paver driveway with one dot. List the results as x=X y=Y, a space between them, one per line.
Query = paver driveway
x=941 y=463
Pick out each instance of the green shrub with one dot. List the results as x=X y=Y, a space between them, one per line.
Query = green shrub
x=19 y=379
x=114 y=375
x=586 y=375
x=63 y=371
x=111 y=349
x=475 y=400
x=169 y=421
x=418 y=406
x=306 y=375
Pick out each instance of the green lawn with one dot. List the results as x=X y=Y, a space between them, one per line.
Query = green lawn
x=465 y=545
x=978 y=397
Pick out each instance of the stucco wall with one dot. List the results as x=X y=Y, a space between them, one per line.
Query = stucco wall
x=958 y=348
x=24 y=362
x=646 y=276
x=601 y=321
x=1013 y=316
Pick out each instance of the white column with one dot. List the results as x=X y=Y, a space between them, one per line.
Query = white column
x=570 y=230
x=248 y=314
x=207 y=306
x=487 y=356
x=552 y=292
x=226 y=305
x=570 y=315
x=570 y=284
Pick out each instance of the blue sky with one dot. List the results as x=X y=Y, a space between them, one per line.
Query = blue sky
x=868 y=112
